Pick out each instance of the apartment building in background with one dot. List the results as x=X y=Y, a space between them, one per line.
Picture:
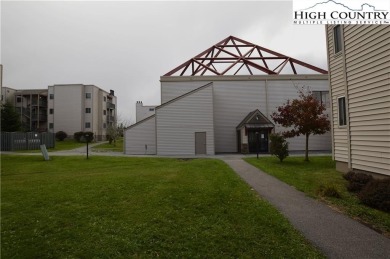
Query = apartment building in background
x=31 y=104
x=77 y=107
x=359 y=77
x=67 y=107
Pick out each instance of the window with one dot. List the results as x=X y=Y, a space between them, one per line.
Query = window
x=342 y=112
x=51 y=111
x=104 y=112
x=104 y=125
x=51 y=125
x=87 y=125
x=87 y=110
x=104 y=98
x=51 y=96
x=322 y=97
x=337 y=39
x=88 y=95
x=151 y=109
x=18 y=99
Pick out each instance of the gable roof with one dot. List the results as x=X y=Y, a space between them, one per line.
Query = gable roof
x=230 y=55
x=255 y=119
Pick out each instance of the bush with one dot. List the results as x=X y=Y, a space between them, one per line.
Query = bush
x=376 y=194
x=328 y=191
x=357 y=181
x=78 y=135
x=82 y=136
x=88 y=136
x=279 y=146
x=61 y=135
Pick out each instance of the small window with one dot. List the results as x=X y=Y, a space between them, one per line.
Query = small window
x=104 y=112
x=51 y=111
x=104 y=98
x=51 y=96
x=337 y=39
x=342 y=112
x=88 y=95
x=104 y=125
x=51 y=125
x=87 y=110
x=18 y=99
x=151 y=109
x=87 y=125
x=322 y=97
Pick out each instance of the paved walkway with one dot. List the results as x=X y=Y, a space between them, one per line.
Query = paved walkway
x=335 y=234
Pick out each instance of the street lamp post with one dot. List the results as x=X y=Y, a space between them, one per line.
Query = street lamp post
x=87 y=139
x=257 y=144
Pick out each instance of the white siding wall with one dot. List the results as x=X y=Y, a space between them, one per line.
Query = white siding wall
x=143 y=112
x=171 y=90
x=233 y=100
x=178 y=121
x=141 y=135
x=279 y=92
x=367 y=55
x=337 y=82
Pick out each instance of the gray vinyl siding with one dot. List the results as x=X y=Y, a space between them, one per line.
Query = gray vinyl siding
x=279 y=92
x=367 y=55
x=140 y=139
x=171 y=90
x=233 y=100
x=177 y=122
x=337 y=82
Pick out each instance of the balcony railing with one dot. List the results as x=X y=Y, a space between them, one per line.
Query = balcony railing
x=42 y=103
x=110 y=119
x=110 y=106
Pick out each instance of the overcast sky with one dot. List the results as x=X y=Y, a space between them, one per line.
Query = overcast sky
x=127 y=46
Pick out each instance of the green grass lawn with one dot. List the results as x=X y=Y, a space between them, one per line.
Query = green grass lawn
x=115 y=207
x=115 y=147
x=308 y=177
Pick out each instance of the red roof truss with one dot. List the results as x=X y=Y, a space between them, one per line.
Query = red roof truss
x=234 y=56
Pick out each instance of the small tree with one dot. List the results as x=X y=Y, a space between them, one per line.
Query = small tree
x=113 y=133
x=279 y=146
x=305 y=116
x=10 y=119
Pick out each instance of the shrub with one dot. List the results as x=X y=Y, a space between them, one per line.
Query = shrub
x=357 y=181
x=88 y=136
x=376 y=194
x=78 y=135
x=61 y=135
x=328 y=191
x=279 y=146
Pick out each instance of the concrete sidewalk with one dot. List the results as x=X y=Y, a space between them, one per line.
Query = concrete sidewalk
x=333 y=233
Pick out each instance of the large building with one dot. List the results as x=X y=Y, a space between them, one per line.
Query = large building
x=359 y=74
x=77 y=107
x=221 y=100
x=70 y=108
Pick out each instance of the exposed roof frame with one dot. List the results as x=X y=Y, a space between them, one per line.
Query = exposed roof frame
x=247 y=55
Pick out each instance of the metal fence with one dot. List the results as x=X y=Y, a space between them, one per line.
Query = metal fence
x=13 y=141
